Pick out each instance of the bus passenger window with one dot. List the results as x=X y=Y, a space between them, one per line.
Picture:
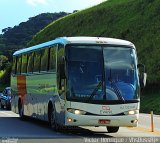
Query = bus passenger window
x=30 y=63
x=52 y=59
x=24 y=64
x=37 y=61
x=44 y=60
x=14 y=65
x=19 y=65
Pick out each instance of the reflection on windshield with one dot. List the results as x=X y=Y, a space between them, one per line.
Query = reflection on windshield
x=121 y=71
x=101 y=73
x=84 y=71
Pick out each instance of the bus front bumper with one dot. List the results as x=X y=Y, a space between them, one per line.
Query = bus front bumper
x=88 y=120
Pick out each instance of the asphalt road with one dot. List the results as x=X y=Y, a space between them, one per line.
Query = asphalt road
x=13 y=130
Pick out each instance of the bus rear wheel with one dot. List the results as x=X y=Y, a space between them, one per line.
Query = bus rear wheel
x=52 y=119
x=21 y=111
x=2 y=106
x=112 y=129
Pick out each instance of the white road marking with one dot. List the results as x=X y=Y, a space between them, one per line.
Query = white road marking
x=8 y=114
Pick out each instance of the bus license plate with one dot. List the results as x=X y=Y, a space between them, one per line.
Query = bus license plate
x=104 y=121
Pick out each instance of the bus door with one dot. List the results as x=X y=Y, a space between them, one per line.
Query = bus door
x=61 y=80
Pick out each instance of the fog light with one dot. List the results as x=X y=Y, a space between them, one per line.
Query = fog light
x=69 y=119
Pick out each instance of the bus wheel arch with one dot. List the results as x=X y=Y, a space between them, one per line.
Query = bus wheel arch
x=112 y=129
x=20 y=109
x=52 y=116
x=50 y=106
x=1 y=106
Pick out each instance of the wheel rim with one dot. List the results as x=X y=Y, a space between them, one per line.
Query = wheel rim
x=52 y=119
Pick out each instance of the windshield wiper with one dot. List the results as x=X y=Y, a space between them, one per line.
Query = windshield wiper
x=115 y=88
x=95 y=90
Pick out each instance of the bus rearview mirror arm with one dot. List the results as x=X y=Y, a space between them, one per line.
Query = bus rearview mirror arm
x=142 y=75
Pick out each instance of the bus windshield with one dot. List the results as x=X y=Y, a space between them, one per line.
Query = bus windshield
x=101 y=73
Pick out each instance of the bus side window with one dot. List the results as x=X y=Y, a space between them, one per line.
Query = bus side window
x=60 y=69
x=19 y=61
x=44 y=59
x=30 y=63
x=14 y=65
x=52 y=58
x=37 y=61
x=24 y=64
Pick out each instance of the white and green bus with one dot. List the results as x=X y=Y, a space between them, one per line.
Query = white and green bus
x=78 y=81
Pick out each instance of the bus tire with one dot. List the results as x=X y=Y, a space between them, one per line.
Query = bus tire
x=52 y=119
x=21 y=110
x=112 y=129
x=2 y=106
x=8 y=107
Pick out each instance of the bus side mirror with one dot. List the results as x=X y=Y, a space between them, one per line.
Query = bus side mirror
x=142 y=75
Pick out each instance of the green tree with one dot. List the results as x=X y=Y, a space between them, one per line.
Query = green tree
x=3 y=62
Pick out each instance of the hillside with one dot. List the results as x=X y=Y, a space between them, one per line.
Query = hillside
x=18 y=36
x=134 y=20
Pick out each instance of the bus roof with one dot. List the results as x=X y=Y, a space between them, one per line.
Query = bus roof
x=76 y=40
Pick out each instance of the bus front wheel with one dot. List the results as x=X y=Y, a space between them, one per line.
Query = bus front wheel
x=2 y=106
x=112 y=129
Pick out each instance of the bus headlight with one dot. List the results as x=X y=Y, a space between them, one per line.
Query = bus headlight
x=131 y=112
x=76 y=111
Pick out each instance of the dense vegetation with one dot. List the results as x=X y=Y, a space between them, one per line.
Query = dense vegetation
x=150 y=100
x=134 y=20
x=17 y=37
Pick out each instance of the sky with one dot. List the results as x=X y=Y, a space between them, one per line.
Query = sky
x=13 y=12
